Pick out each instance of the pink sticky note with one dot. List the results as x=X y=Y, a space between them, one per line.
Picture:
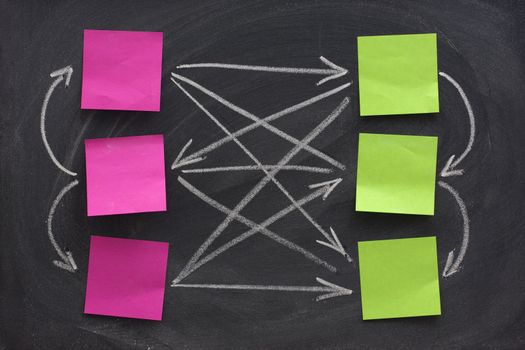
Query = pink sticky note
x=125 y=175
x=126 y=278
x=121 y=70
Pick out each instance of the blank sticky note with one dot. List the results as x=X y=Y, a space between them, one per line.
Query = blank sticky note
x=121 y=70
x=126 y=278
x=396 y=174
x=398 y=74
x=399 y=278
x=125 y=175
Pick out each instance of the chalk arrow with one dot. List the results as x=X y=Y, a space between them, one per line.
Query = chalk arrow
x=329 y=185
x=262 y=228
x=270 y=176
x=60 y=75
x=67 y=263
x=258 y=168
x=336 y=245
x=272 y=117
x=333 y=243
x=332 y=72
x=180 y=162
x=331 y=290
x=450 y=167
x=451 y=266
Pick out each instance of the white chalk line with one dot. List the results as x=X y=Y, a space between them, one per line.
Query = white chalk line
x=256 y=167
x=269 y=118
x=59 y=74
x=256 y=287
x=68 y=261
x=188 y=162
x=331 y=289
x=254 y=118
x=177 y=163
x=336 y=245
x=336 y=239
x=181 y=153
x=297 y=148
x=333 y=295
x=451 y=163
x=342 y=71
x=255 y=228
x=330 y=285
x=334 y=72
x=452 y=268
x=332 y=183
x=269 y=177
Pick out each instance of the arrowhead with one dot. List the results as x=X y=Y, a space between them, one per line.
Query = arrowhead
x=329 y=185
x=337 y=71
x=336 y=291
x=64 y=73
x=180 y=162
x=336 y=245
x=68 y=264
x=448 y=169
x=449 y=270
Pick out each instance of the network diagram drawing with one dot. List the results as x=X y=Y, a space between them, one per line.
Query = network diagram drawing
x=316 y=192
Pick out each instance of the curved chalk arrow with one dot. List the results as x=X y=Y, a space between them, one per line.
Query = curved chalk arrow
x=453 y=267
x=60 y=75
x=452 y=163
x=331 y=290
x=67 y=263
x=333 y=72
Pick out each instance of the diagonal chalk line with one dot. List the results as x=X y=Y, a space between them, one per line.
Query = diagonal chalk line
x=256 y=167
x=332 y=295
x=186 y=162
x=269 y=118
x=270 y=176
x=179 y=156
x=302 y=144
x=255 y=228
x=256 y=119
x=177 y=163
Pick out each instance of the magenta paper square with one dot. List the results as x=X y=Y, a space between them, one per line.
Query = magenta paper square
x=126 y=278
x=121 y=70
x=125 y=175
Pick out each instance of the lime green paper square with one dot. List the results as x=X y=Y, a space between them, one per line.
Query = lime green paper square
x=396 y=174
x=398 y=74
x=399 y=278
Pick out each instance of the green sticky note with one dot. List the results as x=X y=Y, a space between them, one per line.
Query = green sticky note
x=398 y=74
x=396 y=174
x=399 y=278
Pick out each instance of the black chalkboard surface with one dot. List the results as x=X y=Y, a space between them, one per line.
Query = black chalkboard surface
x=480 y=44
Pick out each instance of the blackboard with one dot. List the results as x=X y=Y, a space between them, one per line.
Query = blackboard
x=480 y=44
